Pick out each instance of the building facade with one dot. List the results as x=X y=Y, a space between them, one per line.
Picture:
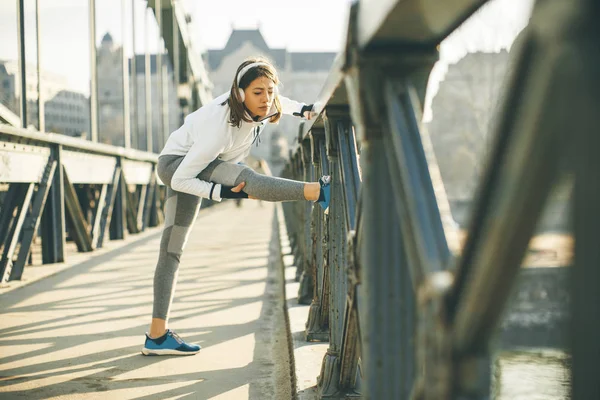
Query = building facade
x=65 y=111
x=111 y=97
x=82 y=82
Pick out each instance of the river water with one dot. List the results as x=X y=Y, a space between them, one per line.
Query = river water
x=531 y=375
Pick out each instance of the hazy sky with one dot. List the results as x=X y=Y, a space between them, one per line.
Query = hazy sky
x=307 y=25
x=319 y=25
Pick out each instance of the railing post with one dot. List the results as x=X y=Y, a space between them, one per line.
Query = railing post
x=298 y=207
x=305 y=292
x=388 y=329
x=330 y=385
x=350 y=374
x=330 y=369
x=53 y=217
x=317 y=326
x=118 y=222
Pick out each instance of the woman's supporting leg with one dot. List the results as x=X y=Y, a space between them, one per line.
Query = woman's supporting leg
x=260 y=186
x=181 y=210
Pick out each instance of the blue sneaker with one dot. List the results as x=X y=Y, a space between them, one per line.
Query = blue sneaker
x=168 y=344
x=325 y=196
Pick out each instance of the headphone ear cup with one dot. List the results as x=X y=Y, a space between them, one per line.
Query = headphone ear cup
x=242 y=94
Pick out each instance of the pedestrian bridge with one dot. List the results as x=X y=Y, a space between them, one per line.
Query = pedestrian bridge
x=381 y=298
x=78 y=333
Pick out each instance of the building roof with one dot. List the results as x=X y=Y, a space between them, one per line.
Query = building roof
x=312 y=61
x=107 y=38
x=237 y=39
x=319 y=61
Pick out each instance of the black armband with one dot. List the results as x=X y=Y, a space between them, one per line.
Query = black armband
x=306 y=108
x=226 y=193
x=212 y=189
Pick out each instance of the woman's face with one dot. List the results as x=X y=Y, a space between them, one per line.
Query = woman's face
x=259 y=96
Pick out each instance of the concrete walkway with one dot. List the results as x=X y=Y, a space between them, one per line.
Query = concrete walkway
x=78 y=334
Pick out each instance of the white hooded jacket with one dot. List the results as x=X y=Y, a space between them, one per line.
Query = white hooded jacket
x=206 y=135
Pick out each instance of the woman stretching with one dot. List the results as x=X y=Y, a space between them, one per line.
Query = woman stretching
x=201 y=160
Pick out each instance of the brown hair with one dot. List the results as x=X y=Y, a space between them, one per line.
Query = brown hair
x=238 y=112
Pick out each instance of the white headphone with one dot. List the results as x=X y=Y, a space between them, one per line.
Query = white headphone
x=243 y=72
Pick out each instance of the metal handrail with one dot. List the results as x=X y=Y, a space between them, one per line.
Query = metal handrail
x=59 y=185
x=405 y=319
x=48 y=138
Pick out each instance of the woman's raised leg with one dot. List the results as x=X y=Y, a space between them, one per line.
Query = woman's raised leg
x=260 y=186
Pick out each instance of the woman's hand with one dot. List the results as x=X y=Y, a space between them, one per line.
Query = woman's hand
x=309 y=114
x=239 y=188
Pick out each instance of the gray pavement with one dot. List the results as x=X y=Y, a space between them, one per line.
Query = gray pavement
x=78 y=334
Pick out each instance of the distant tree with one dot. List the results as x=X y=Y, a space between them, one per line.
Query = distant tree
x=462 y=112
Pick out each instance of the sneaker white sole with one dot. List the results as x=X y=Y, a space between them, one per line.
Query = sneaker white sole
x=167 y=352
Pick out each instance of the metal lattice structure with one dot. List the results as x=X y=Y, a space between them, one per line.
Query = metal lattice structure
x=59 y=185
x=404 y=318
x=57 y=188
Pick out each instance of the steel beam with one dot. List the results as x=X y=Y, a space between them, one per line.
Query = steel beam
x=350 y=178
x=17 y=135
x=94 y=73
x=149 y=200
x=387 y=316
x=157 y=216
x=98 y=216
x=131 y=209
x=40 y=84
x=136 y=172
x=317 y=324
x=411 y=21
x=585 y=296
x=523 y=168
x=125 y=73
x=387 y=320
x=12 y=199
x=22 y=61
x=85 y=168
x=80 y=230
x=350 y=348
x=306 y=289
x=118 y=222
x=133 y=126
x=107 y=211
x=421 y=221
x=141 y=197
x=328 y=381
x=24 y=200
x=332 y=383
x=32 y=221
x=15 y=155
x=53 y=218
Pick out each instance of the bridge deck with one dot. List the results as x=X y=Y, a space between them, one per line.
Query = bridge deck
x=80 y=331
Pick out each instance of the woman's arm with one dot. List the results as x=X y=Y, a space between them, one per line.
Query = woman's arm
x=291 y=107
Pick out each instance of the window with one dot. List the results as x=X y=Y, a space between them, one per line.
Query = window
x=139 y=138
x=31 y=64
x=9 y=61
x=109 y=60
x=65 y=22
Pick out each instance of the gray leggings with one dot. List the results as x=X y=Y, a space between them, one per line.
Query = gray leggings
x=181 y=210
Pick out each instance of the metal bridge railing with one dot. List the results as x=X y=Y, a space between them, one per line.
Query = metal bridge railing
x=404 y=318
x=59 y=185
x=53 y=186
